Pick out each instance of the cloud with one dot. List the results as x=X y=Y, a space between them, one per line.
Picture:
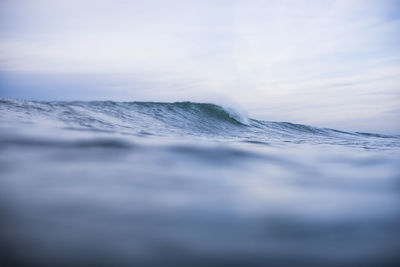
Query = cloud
x=307 y=61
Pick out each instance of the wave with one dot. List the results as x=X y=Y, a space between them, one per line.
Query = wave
x=174 y=119
x=110 y=113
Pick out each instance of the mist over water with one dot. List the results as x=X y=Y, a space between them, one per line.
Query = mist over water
x=179 y=184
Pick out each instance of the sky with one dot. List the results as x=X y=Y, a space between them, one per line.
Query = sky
x=325 y=63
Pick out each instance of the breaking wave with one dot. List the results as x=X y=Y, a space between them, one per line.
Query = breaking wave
x=178 y=119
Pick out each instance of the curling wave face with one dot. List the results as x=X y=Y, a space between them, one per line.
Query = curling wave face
x=190 y=184
x=183 y=119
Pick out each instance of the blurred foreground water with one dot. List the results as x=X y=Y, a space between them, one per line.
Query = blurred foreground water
x=187 y=184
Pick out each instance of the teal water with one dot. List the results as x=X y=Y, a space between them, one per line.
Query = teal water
x=191 y=184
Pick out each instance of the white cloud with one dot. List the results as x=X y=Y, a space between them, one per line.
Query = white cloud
x=316 y=62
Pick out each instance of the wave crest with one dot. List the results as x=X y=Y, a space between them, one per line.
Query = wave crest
x=172 y=119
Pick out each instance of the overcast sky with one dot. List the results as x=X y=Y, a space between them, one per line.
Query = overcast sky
x=326 y=63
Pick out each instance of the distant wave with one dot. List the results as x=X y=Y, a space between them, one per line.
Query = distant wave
x=176 y=119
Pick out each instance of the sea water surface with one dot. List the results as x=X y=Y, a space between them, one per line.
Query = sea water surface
x=191 y=184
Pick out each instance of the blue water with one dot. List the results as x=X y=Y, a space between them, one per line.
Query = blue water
x=191 y=184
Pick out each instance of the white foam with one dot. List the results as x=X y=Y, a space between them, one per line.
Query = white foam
x=237 y=114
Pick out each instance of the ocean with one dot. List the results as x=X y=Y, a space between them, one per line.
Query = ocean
x=107 y=183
